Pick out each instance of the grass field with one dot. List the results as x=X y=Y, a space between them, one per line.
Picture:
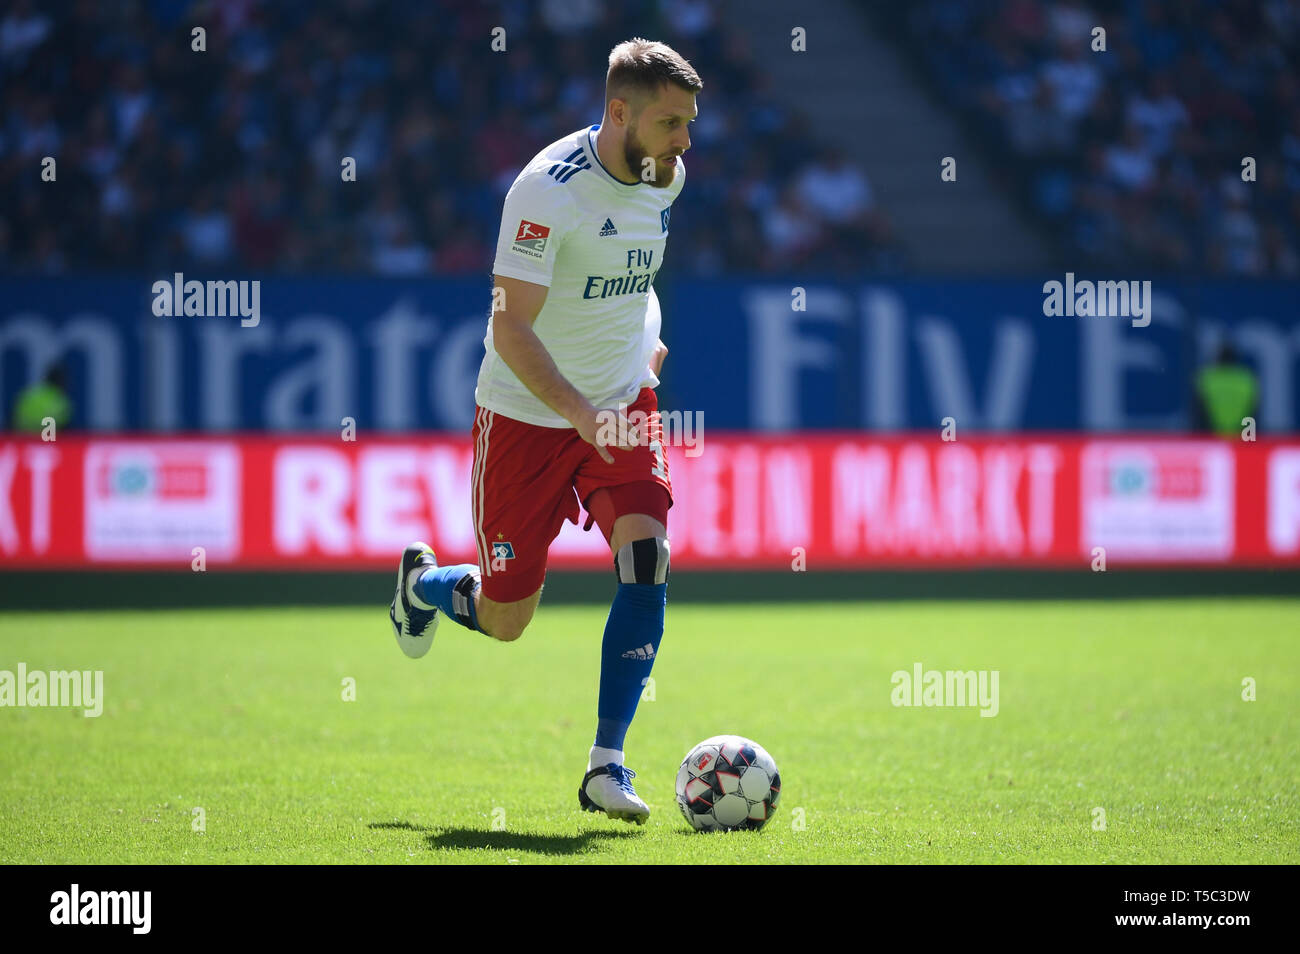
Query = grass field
x=1132 y=707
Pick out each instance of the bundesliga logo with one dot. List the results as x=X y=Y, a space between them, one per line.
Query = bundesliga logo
x=531 y=238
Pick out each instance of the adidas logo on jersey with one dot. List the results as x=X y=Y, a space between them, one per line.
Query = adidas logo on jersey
x=644 y=652
x=608 y=228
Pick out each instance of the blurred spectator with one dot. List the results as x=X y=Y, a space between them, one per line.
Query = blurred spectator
x=1238 y=246
x=1073 y=80
x=206 y=231
x=1123 y=152
x=21 y=31
x=1157 y=114
x=45 y=399
x=232 y=158
x=791 y=233
x=400 y=254
x=1129 y=163
x=835 y=190
x=1226 y=392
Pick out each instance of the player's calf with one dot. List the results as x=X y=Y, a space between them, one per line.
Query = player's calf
x=458 y=592
x=427 y=588
x=507 y=621
x=632 y=635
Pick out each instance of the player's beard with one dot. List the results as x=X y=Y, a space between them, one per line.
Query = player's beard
x=635 y=153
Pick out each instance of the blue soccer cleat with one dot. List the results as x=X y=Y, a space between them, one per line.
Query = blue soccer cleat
x=608 y=789
x=413 y=627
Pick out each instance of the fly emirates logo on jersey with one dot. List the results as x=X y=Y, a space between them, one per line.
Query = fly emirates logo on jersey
x=637 y=281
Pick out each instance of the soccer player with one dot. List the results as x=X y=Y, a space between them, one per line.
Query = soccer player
x=572 y=355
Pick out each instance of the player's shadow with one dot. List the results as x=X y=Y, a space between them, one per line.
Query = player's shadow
x=447 y=839
x=398 y=826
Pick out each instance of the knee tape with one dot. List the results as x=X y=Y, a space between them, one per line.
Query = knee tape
x=643 y=561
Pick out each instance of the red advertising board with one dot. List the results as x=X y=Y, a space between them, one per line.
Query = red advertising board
x=828 y=501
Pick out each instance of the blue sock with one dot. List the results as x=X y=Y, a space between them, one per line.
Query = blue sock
x=632 y=634
x=451 y=589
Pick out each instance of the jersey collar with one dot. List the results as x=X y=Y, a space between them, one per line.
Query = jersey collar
x=608 y=176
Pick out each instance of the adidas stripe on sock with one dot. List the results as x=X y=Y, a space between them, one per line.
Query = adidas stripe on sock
x=632 y=634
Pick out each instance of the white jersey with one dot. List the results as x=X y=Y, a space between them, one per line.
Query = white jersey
x=597 y=244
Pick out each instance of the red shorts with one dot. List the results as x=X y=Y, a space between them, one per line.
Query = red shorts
x=528 y=480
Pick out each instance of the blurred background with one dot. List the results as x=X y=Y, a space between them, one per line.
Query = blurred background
x=911 y=174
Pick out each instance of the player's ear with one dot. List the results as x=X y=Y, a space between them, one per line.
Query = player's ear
x=624 y=108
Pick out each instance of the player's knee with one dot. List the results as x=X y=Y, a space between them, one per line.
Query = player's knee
x=643 y=561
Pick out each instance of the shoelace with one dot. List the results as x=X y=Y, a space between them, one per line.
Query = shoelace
x=418 y=618
x=622 y=776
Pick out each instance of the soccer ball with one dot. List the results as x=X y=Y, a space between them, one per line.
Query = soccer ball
x=728 y=783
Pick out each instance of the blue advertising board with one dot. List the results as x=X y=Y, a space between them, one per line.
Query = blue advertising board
x=906 y=354
x=398 y=355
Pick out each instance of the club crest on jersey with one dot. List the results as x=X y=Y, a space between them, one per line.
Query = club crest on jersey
x=663 y=220
x=502 y=550
x=608 y=228
x=531 y=238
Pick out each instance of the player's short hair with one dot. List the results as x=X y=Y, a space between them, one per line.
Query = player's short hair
x=638 y=68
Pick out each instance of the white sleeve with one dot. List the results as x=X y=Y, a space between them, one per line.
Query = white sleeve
x=539 y=212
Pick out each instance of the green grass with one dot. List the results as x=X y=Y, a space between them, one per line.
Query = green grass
x=1135 y=708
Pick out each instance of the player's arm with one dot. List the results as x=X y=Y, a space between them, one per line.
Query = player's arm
x=657 y=359
x=523 y=351
x=525 y=355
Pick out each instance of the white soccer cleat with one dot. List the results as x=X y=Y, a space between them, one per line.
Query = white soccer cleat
x=413 y=627
x=608 y=789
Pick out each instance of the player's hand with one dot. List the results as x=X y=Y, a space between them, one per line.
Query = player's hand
x=607 y=427
x=657 y=359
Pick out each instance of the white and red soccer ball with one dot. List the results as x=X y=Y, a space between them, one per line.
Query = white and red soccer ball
x=728 y=783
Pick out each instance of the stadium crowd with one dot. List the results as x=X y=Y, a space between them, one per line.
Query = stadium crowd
x=230 y=158
x=1135 y=153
